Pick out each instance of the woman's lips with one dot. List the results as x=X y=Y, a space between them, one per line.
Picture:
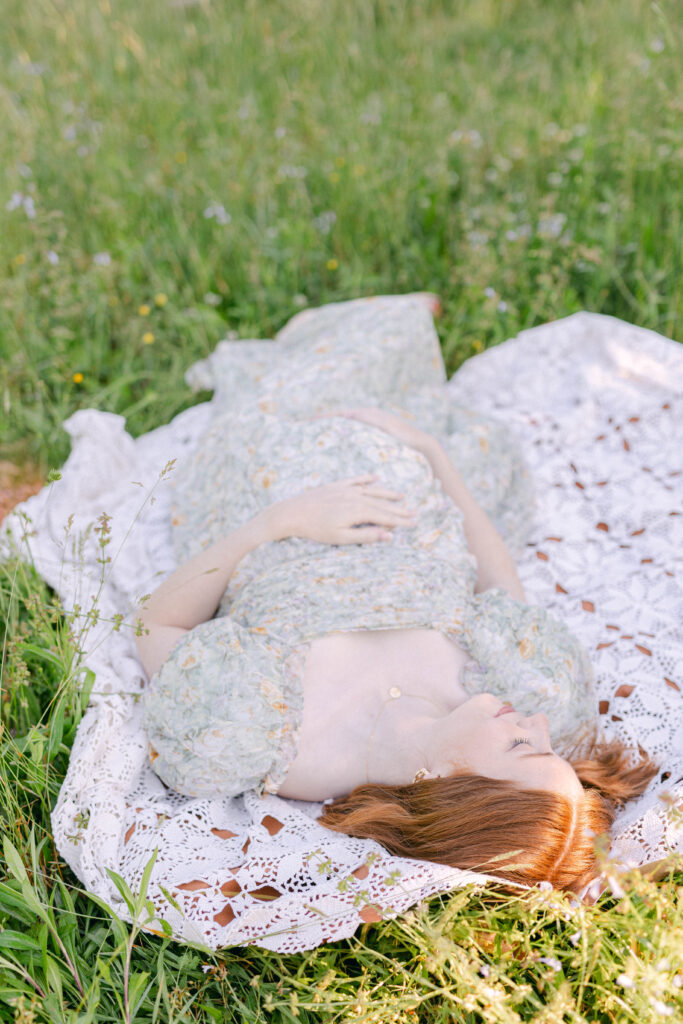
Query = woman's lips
x=504 y=710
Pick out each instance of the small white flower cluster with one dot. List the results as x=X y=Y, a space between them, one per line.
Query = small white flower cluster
x=551 y=961
x=19 y=200
x=211 y=299
x=102 y=259
x=291 y=171
x=52 y=257
x=218 y=212
x=325 y=221
x=552 y=225
x=473 y=137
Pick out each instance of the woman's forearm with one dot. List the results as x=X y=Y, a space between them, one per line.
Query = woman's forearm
x=494 y=562
x=193 y=592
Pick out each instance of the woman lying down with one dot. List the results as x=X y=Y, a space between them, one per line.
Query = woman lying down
x=359 y=636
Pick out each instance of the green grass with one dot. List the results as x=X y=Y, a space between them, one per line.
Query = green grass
x=522 y=159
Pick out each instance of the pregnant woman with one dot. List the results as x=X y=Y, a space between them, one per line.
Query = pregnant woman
x=347 y=624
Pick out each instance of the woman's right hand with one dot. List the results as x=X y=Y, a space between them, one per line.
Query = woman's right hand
x=352 y=511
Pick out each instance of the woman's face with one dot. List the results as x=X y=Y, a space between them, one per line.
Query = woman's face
x=488 y=737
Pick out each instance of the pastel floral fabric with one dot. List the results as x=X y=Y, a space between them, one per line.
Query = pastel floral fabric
x=223 y=712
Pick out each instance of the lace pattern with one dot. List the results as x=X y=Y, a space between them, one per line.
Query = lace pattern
x=596 y=405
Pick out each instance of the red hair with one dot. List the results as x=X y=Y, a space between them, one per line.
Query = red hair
x=493 y=826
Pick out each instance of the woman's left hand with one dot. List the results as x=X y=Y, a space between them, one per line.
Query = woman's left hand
x=351 y=511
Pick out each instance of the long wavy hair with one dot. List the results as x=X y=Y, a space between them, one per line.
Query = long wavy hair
x=495 y=827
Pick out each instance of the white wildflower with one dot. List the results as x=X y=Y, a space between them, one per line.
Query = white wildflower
x=490 y=292
x=525 y=230
x=69 y=133
x=644 y=64
x=552 y=225
x=662 y=965
x=102 y=259
x=20 y=200
x=456 y=136
x=502 y=306
x=211 y=299
x=550 y=130
x=551 y=961
x=273 y=231
x=291 y=171
x=575 y=938
x=475 y=138
x=491 y=174
x=657 y=45
x=52 y=257
x=217 y=211
x=545 y=886
x=554 y=179
x=83 y=150
x=280 y=132
x=477 y=238
x=661 y=1008
x=579 y=130
x=300 y=300
x=484 y=970
x=575 y=154
x=625 y=981
x=677 y=981
x=324 y=221
x=244 y=110
x=24 y=170
x=512 y=235
x=603 y=208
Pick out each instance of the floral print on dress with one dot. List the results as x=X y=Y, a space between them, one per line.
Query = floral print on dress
x=223 y=712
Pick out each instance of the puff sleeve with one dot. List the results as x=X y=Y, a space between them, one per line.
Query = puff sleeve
x=223 y=712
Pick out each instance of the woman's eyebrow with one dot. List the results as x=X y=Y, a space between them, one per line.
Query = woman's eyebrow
x=548 y=753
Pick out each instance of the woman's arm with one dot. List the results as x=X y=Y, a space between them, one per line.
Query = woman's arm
x=494 y=562
x=337 y=513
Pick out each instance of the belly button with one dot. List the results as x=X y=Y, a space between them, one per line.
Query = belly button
x=394 y=692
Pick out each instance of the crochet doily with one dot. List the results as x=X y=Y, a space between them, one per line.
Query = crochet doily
x=597 y=407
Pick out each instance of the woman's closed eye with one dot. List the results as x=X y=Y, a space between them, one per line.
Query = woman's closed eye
x=517 y=742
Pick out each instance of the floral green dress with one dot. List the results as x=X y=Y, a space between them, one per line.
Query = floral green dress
x=223 y=712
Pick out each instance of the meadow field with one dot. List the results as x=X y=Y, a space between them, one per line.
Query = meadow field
x=179 y=171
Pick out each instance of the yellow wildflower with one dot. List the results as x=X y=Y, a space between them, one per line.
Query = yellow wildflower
x=113 y=300
x=359 y=169
x=143 y=310
x=478 y=345
x=148 y=337
x=334 y=177
x=160 y=299
x=181 y=157
x=78 y=378
x=20 y=259
x=340 y=161
x=332 y=264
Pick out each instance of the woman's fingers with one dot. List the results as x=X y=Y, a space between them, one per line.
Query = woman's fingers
x=367 y=535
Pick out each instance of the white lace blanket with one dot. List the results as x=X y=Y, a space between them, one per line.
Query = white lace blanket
x=598 y=408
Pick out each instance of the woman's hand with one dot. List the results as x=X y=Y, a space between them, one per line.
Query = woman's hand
x=352 y=511
x=399 y=427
